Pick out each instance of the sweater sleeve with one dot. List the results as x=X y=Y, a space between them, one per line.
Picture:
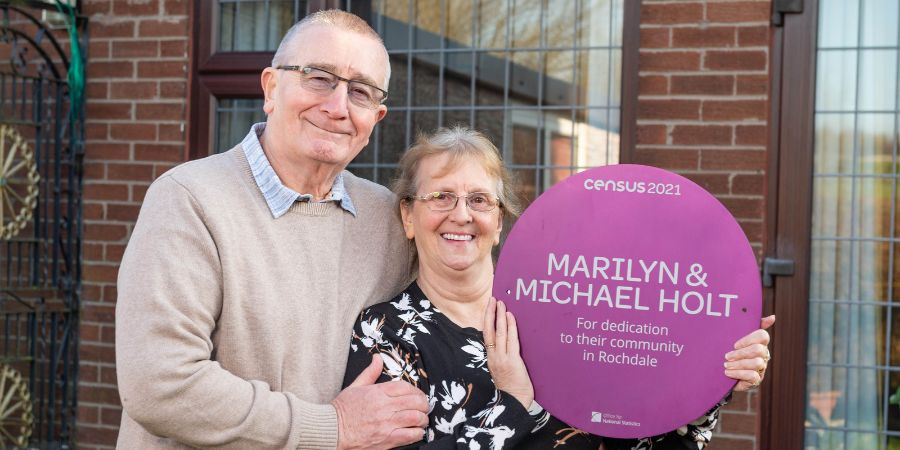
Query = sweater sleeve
x=502 y=423
x=169 y=298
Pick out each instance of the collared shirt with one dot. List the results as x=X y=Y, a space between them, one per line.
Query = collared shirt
x=278 y=196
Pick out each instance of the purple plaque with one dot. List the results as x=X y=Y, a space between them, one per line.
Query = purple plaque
x=629 y=283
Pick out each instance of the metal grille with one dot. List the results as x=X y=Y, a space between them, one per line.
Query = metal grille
x=41 y=151
x=853 y=386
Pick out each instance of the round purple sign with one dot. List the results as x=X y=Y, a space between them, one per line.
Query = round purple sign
x=629 y=284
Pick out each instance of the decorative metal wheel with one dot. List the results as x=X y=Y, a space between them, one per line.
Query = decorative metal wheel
x=16 y=418
x=18 y=182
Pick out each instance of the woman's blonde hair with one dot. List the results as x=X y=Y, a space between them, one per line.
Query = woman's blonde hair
x=460 y=143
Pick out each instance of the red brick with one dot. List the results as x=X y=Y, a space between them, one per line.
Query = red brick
x=89 y=333
x=95 y=435
x=110 y=416
x=160 y=111
x=96 y=272
x=173 y=89
x=117 y=69
x=163 y=28
x=106 y=110
x=159 y=169
x=748 y=184
x=702 y=84
x=129 y=172
x=132 y=131
x=752 y=84
x=173 y=49
x=114 y=253
x=109 y=292
x=92 y=252
x=753 y=230
x=100 y=314
x=138 y=191
x=90 y=292
x=95 y=170
x=107 y=150
x=703 y=37
x=734 y=109
x=94 y=191
x=159 y=152
x=702 y=134
x=744 y=208
x=668 y=109
x=91 y=7
x=667 y=158
x=104 y=232
x=753 y=36
x=655 y=37
x=653 y=85
x=176 y=7
x=735 y=60
x=102 y=29
x=136 y=8
x=671 y=13
x=733 y=159
x=669 y=61
x=715 y=183
x=758 y=11
x=90 y=414
x=751 y=135
x=98 y=50
x=108 y=374
x=651 y=134
x=162 y=69
x=135 y=49
x=170 y=132
x=122 y=213
x=96 y=131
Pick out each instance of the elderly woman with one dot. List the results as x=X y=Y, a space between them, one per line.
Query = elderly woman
x=454 y=192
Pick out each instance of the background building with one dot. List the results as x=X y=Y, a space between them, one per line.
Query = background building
x=789 y=117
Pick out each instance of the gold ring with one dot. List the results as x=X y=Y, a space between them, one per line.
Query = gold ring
x=768 y=356
x=761 y=372
x=490 y=346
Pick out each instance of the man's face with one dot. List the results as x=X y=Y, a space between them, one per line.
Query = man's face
x=305 y=126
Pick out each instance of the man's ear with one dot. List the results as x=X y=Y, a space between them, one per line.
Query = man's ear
x=406 y=218
x=382 y=111
x=269 y=80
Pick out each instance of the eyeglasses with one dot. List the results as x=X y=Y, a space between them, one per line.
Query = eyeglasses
x=323 y=82
x=446 y=201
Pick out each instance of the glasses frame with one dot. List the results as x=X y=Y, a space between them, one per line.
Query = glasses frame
x=306 y=69
x=429 y=197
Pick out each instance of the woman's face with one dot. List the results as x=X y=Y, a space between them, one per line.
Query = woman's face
x=459 y=239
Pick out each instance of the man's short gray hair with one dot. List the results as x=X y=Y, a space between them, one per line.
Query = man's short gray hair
x=341 y=20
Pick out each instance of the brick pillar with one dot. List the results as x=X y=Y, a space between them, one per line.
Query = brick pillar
x=136 y=111
x=702 y=108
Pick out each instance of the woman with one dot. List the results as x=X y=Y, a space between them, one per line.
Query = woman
x=454 y=192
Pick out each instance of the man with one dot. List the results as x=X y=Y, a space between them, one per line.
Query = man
x=245 y=270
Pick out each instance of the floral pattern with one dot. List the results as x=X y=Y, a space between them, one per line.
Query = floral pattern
x=448 y=363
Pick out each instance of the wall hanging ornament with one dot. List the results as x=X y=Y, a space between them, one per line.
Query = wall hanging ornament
x=18 y=182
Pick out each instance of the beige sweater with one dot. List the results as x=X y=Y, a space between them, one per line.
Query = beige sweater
x=232 y=328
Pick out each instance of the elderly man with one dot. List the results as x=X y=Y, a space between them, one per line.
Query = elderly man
x=245 y=271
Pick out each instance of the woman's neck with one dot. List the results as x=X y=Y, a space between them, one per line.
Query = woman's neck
x=462 y=296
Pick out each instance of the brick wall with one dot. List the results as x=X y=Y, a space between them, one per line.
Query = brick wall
x=702 y=108
x=701 y=112
x=136 y=111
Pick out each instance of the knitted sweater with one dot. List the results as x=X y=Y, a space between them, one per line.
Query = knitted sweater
x=232 y=326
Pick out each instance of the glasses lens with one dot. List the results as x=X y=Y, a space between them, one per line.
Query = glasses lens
x=480 y=201
x=441 y=201
x=364 y=95
x=317 y=80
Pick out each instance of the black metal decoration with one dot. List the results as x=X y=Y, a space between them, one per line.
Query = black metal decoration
x=41 y=152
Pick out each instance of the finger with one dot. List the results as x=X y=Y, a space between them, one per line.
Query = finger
x=513 y=337
x=398 y=388
x=750 y=351
x=370 y=374
x=408 y=419
x=767 y=322
x=747 y=364
x=413 y=402
x=756 y=337
x=501 y=328
x=746 y=378
x=488 y=332
x=405 y=436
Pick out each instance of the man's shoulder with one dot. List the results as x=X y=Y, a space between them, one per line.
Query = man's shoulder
x=213 y=172
x=363 y=190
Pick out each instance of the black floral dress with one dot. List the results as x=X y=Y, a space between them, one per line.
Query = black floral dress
x=448 y=363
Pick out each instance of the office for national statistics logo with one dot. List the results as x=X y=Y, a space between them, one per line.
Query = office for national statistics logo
x=596 y=417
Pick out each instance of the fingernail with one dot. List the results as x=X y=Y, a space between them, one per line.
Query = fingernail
x=729 y=355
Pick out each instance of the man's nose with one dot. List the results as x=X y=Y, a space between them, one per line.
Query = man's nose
x=335 y=103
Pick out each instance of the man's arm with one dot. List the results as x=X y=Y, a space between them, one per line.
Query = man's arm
x=169 y=297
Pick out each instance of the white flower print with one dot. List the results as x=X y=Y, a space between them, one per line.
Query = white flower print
x=492 y=412
x=412 y=319
x=477 y=354
x=447 y=427
x=371 y=330
x=498 y=435
x=453 y=394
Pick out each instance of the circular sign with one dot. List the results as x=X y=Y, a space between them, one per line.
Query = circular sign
x=629 y=284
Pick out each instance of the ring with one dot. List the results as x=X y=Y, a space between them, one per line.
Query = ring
x=768 y=356
x=761 y=372
x=490 y=346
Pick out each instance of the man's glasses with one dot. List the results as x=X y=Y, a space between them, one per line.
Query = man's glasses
x=323 y=82
x=446 y=201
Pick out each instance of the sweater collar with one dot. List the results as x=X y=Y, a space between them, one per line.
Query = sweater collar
x=279 y=197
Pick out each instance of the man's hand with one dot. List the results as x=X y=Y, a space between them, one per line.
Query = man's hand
x=379 y=416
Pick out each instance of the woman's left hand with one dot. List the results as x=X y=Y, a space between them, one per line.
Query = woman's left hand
x=750 y=358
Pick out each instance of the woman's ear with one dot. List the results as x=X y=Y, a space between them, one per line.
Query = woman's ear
x=499 y=228
x=406 y=217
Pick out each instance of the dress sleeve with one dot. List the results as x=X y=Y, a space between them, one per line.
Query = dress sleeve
x=502 y=423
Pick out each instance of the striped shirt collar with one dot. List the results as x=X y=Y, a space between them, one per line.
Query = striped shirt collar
x=278 y=196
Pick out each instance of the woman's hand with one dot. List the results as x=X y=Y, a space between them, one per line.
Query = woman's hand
x=748 y=362
x=501 y=340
